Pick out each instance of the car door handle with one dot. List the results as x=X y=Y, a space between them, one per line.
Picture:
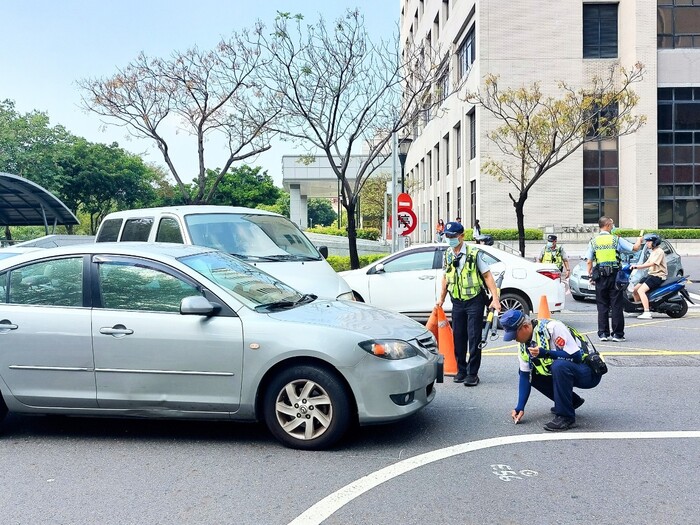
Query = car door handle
x=117 y=330
x=426 y=277
x=6 y=325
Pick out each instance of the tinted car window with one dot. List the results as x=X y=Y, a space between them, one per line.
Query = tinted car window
x=131 y=286
x=137 y=229
x=169 y=231
x=666 y=247
x=3 y=287
x=109 y=232
x=57 y=282
x=411 y=261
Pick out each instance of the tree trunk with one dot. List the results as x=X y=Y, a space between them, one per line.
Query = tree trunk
x=352 y=235
x=520 y=217
x=8 y=233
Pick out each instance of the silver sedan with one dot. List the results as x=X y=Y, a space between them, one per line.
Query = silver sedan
x=182 y=331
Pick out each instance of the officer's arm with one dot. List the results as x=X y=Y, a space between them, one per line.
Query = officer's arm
x=491 y=285
x=523 y=390
x=443 y=291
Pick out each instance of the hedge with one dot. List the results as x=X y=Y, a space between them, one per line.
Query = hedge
x=511 y=234
x=370 y=234
x=669 y=233
x=340 y=263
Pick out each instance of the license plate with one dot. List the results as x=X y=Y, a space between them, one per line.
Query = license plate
x=591 y=285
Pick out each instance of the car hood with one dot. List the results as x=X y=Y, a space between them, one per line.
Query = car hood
x=313 y=277
x=361 y=318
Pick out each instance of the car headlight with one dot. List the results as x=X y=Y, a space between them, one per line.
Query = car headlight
x=389 y=348
x=347 y=296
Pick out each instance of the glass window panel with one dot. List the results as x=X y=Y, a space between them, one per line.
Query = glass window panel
x=666 y=138
x=610 y=209
x=681 y=42
x=608 y=144
x=665 y=155
x=697 y=194
x=685 y=190
x=664 y=42
x=687 y=20
x=611 y=194
x=696 y=93
x=665 y=214
x=665 y=93
x=666 y=174
x=664 y=21
x=608 y=159
x=410 y=262
x=687 y=116
x=697 y=137
x=683 y=138
x=591 y=159
x=665 y=190
x=137 y=229
x=169 y=231
x=591 y=194
x=683 y=174
x=683 y=2
x=591 y=212
x=591 y=178
x=686 y=213
x=608 y=178
x=683 y=93
x=665 y=116
x=58 y=282
x=683 y=154
x=696 y=168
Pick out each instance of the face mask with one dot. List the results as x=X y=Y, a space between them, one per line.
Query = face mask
x=453 y=242
x=550 y=244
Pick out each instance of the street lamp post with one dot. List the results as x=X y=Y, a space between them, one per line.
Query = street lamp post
x=404 y=145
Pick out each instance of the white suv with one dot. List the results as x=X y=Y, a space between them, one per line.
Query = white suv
x=267 y=240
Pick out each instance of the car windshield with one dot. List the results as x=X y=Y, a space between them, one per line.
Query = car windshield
x=251 y=286
x=251 y=237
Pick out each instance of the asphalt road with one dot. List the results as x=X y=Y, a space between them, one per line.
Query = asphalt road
x=632 y=459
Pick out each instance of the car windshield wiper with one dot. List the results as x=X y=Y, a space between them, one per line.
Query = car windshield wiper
x=284 y=305
x=292 y=257
x=253 y=257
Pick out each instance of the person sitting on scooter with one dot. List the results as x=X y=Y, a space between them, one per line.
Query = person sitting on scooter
x=658 y=272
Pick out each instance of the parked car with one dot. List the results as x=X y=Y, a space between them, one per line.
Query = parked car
x=166 y=330
x=264 y=239
x=409 y=281
x=582 y=288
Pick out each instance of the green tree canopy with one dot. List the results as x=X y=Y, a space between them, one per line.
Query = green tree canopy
x=242 y=186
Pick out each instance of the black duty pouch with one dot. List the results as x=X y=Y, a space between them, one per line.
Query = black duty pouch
x=595 y=360
x=595 y=273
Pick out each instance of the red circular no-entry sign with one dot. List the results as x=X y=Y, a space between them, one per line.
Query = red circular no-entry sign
x=406 y=221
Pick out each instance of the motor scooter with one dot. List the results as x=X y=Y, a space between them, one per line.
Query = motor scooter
x=671 y=298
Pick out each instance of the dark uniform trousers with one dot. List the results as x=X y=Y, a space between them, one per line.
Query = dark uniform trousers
x=608 y=298
x=467 y=324
x=559 y=387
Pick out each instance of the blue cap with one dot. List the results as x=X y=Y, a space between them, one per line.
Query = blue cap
x=511 y=321
x=452 y=229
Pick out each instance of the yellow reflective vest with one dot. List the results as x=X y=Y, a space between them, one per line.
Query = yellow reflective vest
x=605 y=250
x=467 y=283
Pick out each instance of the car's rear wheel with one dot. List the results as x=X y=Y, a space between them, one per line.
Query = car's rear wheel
x=514 y=301
x=307 y=407
x=3 y=408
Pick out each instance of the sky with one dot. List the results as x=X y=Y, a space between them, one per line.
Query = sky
x=47 y=45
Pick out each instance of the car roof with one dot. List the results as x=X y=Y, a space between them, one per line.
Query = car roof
x=139 y=249
x=188 y=210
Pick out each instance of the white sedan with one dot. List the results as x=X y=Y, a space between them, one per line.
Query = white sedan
x=409 y=281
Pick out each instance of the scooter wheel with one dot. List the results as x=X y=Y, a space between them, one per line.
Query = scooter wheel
x=677 y=314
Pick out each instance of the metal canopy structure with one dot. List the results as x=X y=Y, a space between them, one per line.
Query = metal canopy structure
x=24 y=203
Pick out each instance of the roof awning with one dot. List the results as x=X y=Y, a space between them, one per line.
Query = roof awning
x=24 y=203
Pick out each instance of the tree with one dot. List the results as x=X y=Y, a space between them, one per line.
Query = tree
x=243 y=186
x=537 y=132
x=97 y=178
x=210 y=92
x=321 y=213
x=281 y=205
x=337 y=92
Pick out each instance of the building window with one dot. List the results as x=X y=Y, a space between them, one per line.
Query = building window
x=599 y=30
x=429 y=168
x=601 y=192
x=437 y=203
x=472 y=134
x=467 y=53
x=678 y=23
x=472 y=187
x=679 y=157
x=443 y=88
x=458 y=144
x=446 y=138
x=447 y=206
x=459 y=201
x=437 y=161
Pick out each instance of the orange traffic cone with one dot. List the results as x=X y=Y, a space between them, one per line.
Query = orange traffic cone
x=446 y=345
x=543 y=311
x=432 y=323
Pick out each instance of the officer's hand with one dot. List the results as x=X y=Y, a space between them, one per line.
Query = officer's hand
x=534 y=351
x=496 y=304
x=517 y=416
x=439 y=303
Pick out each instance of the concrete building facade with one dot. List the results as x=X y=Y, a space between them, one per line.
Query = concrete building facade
x=648 y=179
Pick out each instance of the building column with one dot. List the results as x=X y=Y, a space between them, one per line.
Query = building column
x=298 y=207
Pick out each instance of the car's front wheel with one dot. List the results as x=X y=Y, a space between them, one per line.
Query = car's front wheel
x=307 y=407
x=578 y=297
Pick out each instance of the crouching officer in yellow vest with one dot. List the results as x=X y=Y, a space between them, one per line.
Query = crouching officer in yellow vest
x=466 y=276
x=551 y=253
x=604 y=249
x=552 y=359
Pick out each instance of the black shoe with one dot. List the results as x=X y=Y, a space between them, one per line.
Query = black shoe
x=459 y=378
x=471 y=381
x=560 y=423
x=577 y=404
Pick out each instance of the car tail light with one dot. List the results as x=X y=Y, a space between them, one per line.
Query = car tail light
x=552 y=274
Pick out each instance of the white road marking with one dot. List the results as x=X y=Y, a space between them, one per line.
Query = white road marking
x=333 y=502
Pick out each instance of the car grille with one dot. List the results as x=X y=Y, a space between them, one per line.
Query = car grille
x=427 y=342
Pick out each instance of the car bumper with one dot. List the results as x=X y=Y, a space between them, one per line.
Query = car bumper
x=579 y=286
x=391 y=390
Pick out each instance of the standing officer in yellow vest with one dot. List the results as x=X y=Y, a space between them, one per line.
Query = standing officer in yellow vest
x=605 y=250
x=553 y=361
x=551 y=253
x=466 y=276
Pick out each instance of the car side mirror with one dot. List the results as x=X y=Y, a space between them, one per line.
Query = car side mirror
x=198 y=305
x=379 y=268
x=323 y=250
